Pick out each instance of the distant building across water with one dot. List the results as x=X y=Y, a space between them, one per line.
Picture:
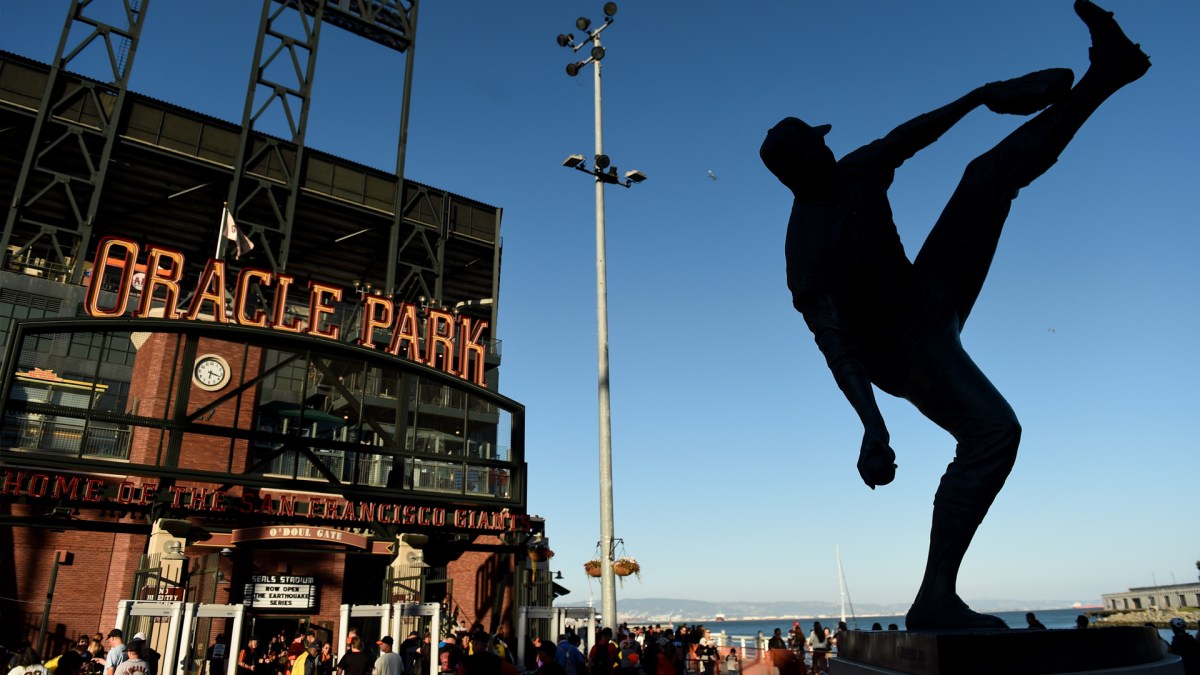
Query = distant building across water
x=1171 y=597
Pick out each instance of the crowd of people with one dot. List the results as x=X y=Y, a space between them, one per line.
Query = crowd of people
x=305 y=654
x=639 y=650
x=280 y=654
x=788 y=654
x=97 y=654
x=460 y=653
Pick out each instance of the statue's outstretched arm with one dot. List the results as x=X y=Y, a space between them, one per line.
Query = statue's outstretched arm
x=1023 y=95
x=916 y=134
x=876 y=460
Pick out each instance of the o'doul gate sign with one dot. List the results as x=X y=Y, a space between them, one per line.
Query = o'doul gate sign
x=276 y=591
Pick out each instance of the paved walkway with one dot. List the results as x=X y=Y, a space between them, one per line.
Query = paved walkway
x=761 y=668
x=756 y=668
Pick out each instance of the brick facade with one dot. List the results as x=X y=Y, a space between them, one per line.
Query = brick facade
x=87 y=593
x=483 y=582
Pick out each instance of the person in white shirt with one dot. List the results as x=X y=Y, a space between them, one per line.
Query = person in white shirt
x=28 y=663
x=389 y=662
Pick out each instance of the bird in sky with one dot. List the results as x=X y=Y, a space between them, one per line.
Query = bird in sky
x=712 y=175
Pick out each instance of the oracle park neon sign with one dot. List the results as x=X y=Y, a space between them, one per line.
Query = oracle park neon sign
x=457 y=338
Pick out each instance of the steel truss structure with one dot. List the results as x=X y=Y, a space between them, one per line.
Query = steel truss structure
x=98 y=159
x=61 y=161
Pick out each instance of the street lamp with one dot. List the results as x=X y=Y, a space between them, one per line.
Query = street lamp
x=61 y=558
x=605 y=174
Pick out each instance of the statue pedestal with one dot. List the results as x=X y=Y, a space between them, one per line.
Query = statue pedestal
x=1119 y=649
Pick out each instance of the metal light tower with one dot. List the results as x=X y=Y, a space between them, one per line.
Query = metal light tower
x=604 y=173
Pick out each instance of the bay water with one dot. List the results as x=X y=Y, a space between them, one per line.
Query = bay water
x=748 y=628
x=1052 y=618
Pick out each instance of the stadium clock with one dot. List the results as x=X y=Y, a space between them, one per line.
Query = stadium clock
x=211 y=372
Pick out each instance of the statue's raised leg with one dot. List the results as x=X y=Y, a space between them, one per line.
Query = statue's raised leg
x=958 y=252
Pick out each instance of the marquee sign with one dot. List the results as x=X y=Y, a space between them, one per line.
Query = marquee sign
x=278 y=591
x=284 y=506
x=418 y=334
x=320 y=534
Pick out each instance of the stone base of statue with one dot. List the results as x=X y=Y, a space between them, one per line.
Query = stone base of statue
x=1119 y=649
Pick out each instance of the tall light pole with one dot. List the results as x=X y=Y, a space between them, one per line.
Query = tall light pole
x=604 y=174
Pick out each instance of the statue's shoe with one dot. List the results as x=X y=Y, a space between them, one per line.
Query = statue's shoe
x=1030 y=93
x=1112 y=54
x=950 y=613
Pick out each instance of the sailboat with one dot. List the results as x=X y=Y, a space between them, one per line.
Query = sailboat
x=845 y=594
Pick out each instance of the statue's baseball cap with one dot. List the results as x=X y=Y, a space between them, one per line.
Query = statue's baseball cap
x=778 y=149
x=820 y=129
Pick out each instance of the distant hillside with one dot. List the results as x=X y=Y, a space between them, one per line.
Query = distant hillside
x=650 y=610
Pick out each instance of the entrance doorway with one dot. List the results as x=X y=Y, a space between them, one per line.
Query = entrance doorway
x=276 y=633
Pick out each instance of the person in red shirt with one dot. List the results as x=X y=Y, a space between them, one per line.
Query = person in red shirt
x=603 y=656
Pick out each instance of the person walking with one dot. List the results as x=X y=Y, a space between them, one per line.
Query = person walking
x=326 y=659
x=603 y=656
x=1185 y=647
x=249 y=656
x=818 y=644
x=388 y=662
x=355 y=661
x=733 y=663
x=134 y=664
x=547 y=660
x=116 y=652
x=149 y=654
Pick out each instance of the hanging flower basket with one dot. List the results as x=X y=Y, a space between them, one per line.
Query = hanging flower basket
x=624 y=567
x=592 y=567
x=540 y=553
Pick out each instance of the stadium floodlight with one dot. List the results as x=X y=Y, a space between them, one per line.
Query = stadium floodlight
x=565 y=39
x=605 y=174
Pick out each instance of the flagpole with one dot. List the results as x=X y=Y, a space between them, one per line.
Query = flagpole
x=221 y=230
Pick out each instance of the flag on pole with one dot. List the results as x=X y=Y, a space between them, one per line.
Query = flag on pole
x=241 y=242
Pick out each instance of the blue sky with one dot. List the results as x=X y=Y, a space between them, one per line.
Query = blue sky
x=733 y=450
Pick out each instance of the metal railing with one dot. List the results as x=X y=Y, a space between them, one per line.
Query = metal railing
x=458 y=476
x=753 y=648
x=30 y=432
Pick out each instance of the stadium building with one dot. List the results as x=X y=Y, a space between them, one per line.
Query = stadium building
x=290 y=405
